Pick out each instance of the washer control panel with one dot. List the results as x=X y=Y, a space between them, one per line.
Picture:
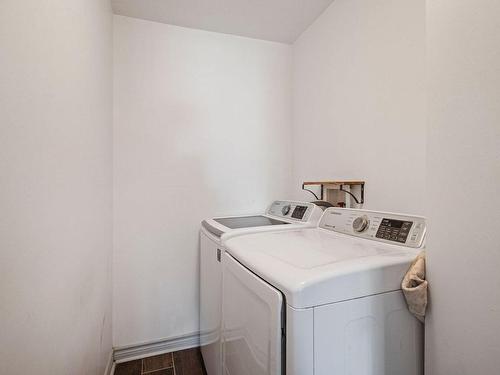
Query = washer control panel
x=379 y=226
x=300 y=211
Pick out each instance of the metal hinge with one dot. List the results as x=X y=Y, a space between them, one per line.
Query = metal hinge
x=219 y=255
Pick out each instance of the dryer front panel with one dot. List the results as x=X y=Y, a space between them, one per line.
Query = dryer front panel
x=374 y=335
x=252 y=322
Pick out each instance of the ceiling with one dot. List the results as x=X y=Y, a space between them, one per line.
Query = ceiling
x=275 y=20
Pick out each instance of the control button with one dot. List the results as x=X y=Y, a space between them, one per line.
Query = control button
x=286 y=209
x=360 y=223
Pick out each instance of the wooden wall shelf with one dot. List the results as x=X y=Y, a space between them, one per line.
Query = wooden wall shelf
x=337 y=183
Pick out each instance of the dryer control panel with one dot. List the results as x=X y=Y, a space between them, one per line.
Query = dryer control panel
x=386 y=227
x=300 y=211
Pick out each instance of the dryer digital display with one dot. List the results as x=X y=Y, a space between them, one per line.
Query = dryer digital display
x=394 y=230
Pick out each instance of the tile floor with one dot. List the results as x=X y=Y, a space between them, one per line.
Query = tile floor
x=184 y=362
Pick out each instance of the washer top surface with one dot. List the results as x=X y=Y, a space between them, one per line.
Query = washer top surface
x=280 y=215
x=324 y=265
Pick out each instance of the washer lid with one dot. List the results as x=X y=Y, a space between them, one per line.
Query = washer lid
x=315 y=266
x=248 y=221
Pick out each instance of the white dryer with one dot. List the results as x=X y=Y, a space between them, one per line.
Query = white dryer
x=279 y=216
x=323 y=301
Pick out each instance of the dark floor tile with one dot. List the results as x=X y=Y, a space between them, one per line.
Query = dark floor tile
x=167 y=371
x=157 y=362
x=129 y=368
x=189 y=362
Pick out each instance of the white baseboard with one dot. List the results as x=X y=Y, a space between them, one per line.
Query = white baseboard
x=110 y=366
x=131 y=352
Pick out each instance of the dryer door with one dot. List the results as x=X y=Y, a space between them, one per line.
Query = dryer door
x=253 y=326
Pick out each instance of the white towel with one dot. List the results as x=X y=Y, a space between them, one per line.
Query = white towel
x=414 y=287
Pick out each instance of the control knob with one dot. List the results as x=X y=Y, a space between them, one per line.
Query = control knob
x=286 y=209
x=360 y=223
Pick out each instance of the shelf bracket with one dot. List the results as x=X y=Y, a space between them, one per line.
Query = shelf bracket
x=313 y=193
x=362 y=198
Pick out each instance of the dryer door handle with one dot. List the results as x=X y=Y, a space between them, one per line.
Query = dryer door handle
x=219 y=255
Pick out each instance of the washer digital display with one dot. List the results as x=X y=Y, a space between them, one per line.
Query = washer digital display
x=299 y=211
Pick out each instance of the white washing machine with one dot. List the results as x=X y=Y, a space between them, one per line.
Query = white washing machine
x=279 y=216
x=323 y=301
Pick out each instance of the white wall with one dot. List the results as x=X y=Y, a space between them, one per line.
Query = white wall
x=359 y=101
x=201 y=128
x=463 y=326
x=55 y=186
